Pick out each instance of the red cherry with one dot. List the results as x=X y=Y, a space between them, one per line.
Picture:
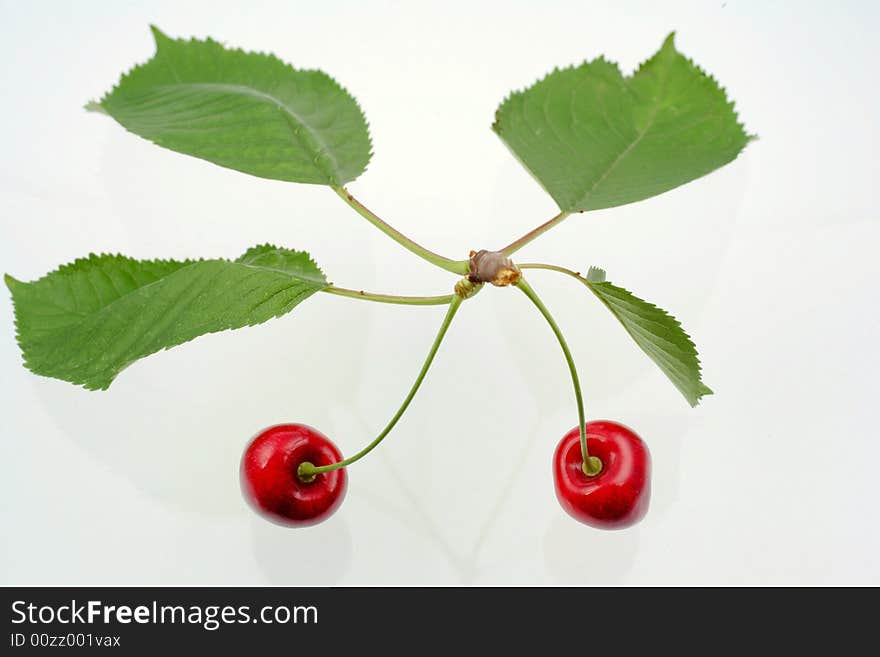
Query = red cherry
x=270 y=482
x=616 y=497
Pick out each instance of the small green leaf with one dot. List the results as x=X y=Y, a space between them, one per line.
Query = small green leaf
x=596 y=275
x=596 y=139
x=90 y=319
x=657 y=332
x=246 y=111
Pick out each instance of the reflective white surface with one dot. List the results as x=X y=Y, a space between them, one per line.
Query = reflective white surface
x=770 y=264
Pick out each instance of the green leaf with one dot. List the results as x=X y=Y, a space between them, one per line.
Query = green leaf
x=657 y=333
x=90 y=319
x=596 y=139
x=246 y=111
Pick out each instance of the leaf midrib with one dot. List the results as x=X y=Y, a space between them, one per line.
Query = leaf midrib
x=646 y=337
x=323 y=147
x=657 y=105
x=677 y=369
x=84 y=315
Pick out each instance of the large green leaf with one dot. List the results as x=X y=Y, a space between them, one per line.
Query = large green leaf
x=246 y=111
x=596 y=139
x=88 y=320
x=658 y=334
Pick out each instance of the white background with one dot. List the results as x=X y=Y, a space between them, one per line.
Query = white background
x=770 y=263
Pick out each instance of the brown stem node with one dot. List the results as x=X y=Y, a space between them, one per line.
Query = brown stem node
x=493 y=267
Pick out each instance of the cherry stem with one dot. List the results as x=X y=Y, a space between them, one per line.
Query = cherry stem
x=591 y=464
x=307 y=470
x=515 y=246
x=455 y=266
x=441 y=300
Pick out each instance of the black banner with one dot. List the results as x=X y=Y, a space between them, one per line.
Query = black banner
x=127 y=621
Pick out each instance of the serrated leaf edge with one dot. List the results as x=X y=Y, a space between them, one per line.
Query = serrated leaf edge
x=669 y=41
x=159 y=36
x=703 y=389
x=701 y=73
x=71 y=267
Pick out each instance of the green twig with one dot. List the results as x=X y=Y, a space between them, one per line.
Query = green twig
x=515 y=246
x=440 y=300
x=455 y=266
x=561 y=270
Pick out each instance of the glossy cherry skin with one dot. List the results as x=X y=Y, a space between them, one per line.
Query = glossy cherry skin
x=619 y=495
x=269 y=479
